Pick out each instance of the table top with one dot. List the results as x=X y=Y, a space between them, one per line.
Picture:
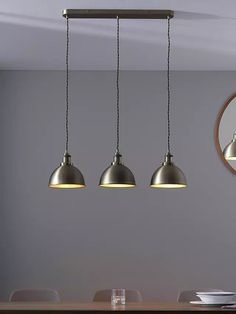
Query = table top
x=105 y=307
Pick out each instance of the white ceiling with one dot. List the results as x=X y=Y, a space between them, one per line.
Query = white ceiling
x=203 y=34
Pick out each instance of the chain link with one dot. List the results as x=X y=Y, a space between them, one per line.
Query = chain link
x=168 y=86
x=67 y=85
x=118 y=87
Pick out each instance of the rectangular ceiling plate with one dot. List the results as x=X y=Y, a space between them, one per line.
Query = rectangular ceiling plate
x=112 y=14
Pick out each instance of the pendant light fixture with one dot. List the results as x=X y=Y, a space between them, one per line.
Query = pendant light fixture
x=66 y=176
x=117 y=175
x=230 y=150
x=168 y=175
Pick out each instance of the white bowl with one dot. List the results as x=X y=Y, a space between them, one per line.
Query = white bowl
x=217 y=292
x=216 y=297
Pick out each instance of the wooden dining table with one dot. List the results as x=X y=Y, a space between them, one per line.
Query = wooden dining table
x=102 y=307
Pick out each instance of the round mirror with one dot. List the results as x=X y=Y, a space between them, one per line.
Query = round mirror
x=225 y=133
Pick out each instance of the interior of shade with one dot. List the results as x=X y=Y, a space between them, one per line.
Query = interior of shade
x=115 y=185
x=230 y=158
x=66 y=186
x=168 y=186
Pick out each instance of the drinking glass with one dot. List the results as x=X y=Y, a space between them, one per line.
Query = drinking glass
x=118 y=296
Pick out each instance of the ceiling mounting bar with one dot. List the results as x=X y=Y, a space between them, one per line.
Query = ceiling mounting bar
x=112 y=14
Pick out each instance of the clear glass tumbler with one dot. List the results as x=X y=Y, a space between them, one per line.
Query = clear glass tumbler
x=118 y=296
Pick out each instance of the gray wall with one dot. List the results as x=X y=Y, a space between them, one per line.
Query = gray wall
x=159 y=241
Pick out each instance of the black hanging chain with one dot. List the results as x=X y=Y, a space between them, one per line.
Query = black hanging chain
x=67 y=85
x=118 y=87
x=168 y=86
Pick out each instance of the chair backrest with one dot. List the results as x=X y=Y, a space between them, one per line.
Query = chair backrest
x=190 y=295
x=34 y=295
x=105 y=296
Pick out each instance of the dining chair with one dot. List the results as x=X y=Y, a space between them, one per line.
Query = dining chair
x=190 y=295
x=105 y=296
x=34 y=295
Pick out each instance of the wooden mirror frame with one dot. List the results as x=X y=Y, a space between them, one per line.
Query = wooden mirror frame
x=217 y=127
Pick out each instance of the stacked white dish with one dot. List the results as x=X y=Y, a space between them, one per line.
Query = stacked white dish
x=215 y=298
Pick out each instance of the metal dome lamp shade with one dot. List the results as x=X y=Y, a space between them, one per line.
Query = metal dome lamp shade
x=66 y=176
x=168 y=175
x=117 y=175
x=230 y=150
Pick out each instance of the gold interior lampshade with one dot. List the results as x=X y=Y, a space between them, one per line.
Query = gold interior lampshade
x=117 y=175
x=230 y=150
x=168 y=175
x=66 y=176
